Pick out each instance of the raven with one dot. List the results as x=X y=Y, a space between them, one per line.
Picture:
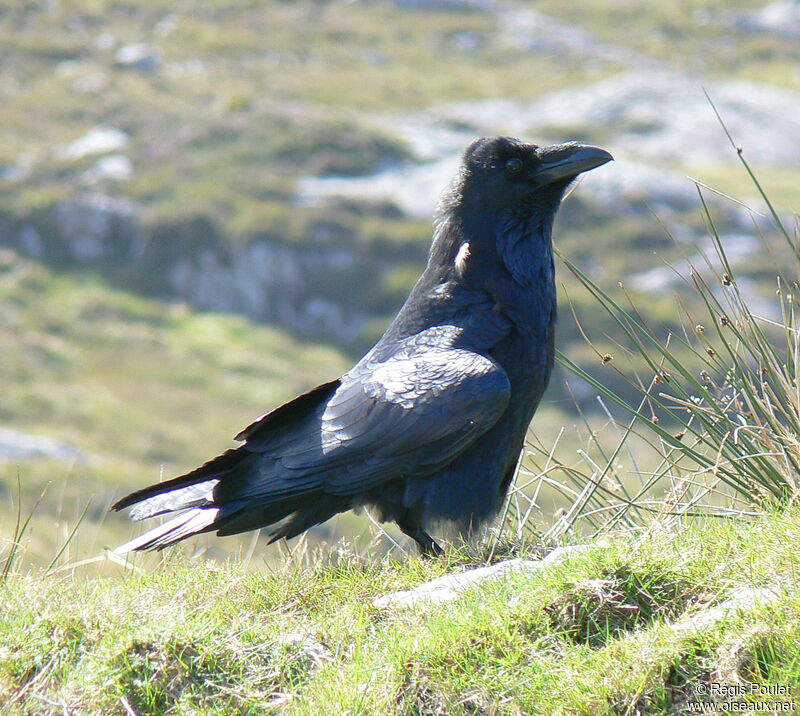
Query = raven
x=428 y=426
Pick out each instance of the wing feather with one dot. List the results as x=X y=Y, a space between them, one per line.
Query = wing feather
x=407 y=415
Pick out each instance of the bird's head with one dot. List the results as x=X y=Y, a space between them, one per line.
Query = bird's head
x=507 y=175
x=501 y=206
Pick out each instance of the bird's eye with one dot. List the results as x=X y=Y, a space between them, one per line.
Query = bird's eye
x=513 y=167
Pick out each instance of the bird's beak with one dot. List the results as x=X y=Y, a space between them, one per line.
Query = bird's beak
x=565 y=161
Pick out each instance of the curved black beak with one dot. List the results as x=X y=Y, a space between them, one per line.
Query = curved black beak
x=565 y=161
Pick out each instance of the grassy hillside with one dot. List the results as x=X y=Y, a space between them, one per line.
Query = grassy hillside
x=241 y=102
x=608 y=632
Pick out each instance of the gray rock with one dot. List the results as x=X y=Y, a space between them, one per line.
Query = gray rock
x=17 y=446
x=105 y=41
x=116 y=167
x=451 y=586
x=166 y=25
x=31 y=242
x=743 y=598
x=657 y=115
x=139 y=56
x=100 y=140
x=781 y=17
x=269 y=280
x=96 y=227
x=525 y=29
x=444 y=5
x=91 y=83
x=738 y=248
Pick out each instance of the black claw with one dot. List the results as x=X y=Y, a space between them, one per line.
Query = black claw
x=427 y=545
x=430 y=548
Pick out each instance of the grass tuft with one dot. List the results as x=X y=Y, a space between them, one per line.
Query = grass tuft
x=596 y=610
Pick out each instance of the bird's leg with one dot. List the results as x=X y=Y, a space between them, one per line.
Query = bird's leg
x=427 y=545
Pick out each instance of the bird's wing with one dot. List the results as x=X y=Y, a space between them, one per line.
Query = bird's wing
x=409 y=414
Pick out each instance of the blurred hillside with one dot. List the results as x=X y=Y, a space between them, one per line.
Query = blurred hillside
x=208 y=207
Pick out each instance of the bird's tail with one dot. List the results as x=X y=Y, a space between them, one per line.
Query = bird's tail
x=228 y=509
x=221 y=496
x=192 y=495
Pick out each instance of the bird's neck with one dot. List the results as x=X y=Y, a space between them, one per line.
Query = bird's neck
x=500 y=264
x=526 y=291
x=526 y=250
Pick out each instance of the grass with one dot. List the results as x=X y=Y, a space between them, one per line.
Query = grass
x=591 y=635
x=726 y=394
x=239 y=94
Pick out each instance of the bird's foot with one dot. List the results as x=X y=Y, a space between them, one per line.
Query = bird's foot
x=428 y=547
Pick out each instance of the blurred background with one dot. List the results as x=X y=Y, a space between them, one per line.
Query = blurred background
x=208 y=207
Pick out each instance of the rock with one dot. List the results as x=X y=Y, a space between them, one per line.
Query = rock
x=116 y=167
x=17 y=446
x=414 y=189
x=451 y=586
x=525 y=29
x=139 y=56
x=91 y=83
x=96 y=227
x=781 y=17
x=105 y=41
x=100 y=140
x=741 y=599
x=738 y=248
x=166 y=25
x=657 y=115
x=272 y=281
x=30 y=241
x=445 y=5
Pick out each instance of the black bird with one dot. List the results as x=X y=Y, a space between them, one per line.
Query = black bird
x=428 y=426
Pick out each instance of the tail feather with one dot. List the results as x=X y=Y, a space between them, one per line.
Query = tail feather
x=220 y=466
x=197 y=495
x=232 y=493
x=192 y=522
x=204 y=506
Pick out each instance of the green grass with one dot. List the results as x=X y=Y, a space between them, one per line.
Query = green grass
x=591 y=635
x=779 y=184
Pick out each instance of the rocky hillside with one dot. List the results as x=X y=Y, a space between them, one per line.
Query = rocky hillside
x=213 y=156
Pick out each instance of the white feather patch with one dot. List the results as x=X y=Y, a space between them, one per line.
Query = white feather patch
x=184 y=525
x=461 y=257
